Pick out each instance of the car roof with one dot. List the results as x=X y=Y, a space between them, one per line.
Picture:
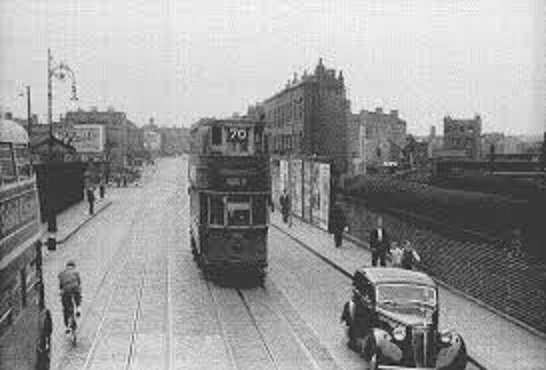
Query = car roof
x=379 y=275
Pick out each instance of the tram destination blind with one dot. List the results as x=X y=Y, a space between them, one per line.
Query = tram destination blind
x=239 y=135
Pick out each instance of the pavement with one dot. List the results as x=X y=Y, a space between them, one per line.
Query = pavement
x=71 y=220
x=493 y=341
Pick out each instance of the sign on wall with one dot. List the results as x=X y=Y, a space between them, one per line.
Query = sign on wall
x=85 y=138
x=297 y=187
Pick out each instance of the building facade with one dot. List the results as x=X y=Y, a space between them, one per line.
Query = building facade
x=122 y=137
x=309 y=117
x=463 y=135
x=174 y=140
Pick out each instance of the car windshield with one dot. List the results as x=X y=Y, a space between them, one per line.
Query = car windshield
x=403 y=294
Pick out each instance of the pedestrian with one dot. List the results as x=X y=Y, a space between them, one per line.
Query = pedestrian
x=379 y=243
x=338 y=223
x=396 y=254
x=91 y=200
x=124 y=180
x=101 y=190
x=285 y=206
x=409 y=256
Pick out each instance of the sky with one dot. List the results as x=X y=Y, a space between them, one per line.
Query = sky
x=178 y=61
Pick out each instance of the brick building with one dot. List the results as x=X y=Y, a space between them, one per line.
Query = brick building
x=376 y=137
x=123 y=138
x=463 y=135
x=309 y=116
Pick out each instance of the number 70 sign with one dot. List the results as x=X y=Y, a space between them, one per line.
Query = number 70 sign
x=237 y=134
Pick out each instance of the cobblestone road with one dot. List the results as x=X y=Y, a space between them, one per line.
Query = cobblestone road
x=147 y=306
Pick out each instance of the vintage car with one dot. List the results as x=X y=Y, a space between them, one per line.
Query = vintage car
x=392 y=319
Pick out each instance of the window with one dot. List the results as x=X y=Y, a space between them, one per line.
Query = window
x=22 y=160
x=238 y=210
x=216 y=135
x=7 y=165
x=259 y=139
x=217 y=210
x=259 y=210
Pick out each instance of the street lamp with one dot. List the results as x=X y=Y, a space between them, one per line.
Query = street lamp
x=60 y=71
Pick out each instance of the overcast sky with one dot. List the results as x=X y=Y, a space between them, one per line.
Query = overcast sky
x=181 y=60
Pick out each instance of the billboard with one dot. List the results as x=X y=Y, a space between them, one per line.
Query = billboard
x=324 y=184
x=85 y=138
x=297 y=185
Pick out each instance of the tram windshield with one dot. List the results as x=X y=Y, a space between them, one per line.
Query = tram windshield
x=237 y=210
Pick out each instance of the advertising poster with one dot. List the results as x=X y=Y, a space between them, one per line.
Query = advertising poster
x=297 y=185
x=324 y=174
x=283 y=178
x=315 y=193
x=275 y=182
x=307 y=184
x=85 y=138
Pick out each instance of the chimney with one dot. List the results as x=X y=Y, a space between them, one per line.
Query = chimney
x=394 y=113
x=379 y=110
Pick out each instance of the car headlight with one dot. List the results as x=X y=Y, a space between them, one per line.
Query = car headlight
x=399 y=333
x=445 y=336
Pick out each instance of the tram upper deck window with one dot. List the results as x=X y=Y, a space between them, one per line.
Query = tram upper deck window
x=7 y=164
x=216 y=210
x=216 y=135
x=238 y=210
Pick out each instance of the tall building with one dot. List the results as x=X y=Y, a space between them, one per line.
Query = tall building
x=463 y=135
x=309 y=116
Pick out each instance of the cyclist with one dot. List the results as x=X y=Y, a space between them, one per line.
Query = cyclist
x=70 y=284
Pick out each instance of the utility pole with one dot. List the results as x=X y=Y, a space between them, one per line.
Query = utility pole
x=59 y=71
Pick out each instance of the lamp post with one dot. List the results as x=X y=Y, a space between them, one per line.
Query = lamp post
x=59 y=71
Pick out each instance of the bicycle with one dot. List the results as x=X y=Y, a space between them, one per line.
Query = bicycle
x=72 y=322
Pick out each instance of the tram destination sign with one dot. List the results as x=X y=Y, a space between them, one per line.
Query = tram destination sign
x=239 y=135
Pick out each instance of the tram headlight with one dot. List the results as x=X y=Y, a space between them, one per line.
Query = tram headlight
x=445 y=336
x=399 y=333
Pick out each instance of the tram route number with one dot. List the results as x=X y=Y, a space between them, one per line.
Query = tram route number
x=237 y=134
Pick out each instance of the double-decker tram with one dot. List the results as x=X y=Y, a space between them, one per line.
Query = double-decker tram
x=230 y=195
x=25 y=324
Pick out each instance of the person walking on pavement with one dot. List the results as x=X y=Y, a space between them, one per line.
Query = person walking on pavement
x=338 y=223
x=285 y=206
x=71 y=292
x=379 y=243
x=102 y=190
x=396 y=254
x=91 y=200
x=409 y=256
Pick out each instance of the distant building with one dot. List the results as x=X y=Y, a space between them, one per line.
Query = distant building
x=463 y=135
x=309 y=116
x=122 y=137
x=385 y=136
x=174 y=140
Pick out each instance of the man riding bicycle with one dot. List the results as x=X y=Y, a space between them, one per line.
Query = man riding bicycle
x=70 y=284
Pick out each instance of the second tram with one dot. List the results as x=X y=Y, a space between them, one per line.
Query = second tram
x=230 y=195
x=25 y=323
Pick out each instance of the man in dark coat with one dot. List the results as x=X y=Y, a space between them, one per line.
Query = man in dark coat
x=379 y=243
x=285 y=206
x=338 y=223
x=91 y=200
